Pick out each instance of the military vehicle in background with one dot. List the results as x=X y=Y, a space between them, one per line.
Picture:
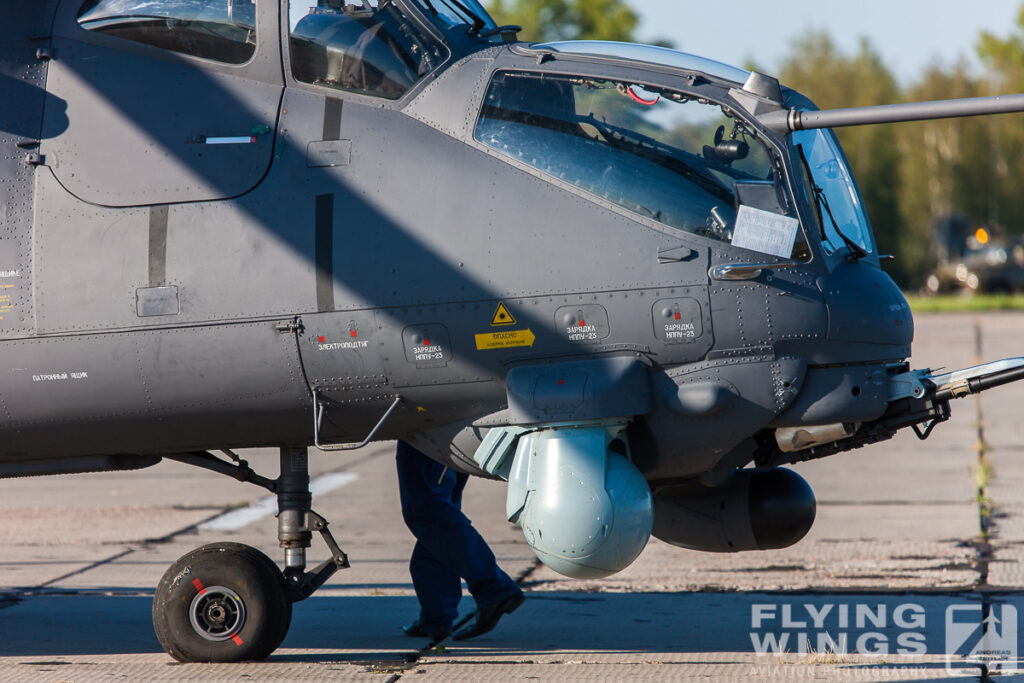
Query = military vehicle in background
x=984 y=261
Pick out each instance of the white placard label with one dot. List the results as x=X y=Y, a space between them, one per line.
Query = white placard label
x=764 y=231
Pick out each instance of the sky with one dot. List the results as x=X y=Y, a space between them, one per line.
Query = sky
x=908 y=34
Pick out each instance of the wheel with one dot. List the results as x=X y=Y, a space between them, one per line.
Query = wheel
x=223 y=602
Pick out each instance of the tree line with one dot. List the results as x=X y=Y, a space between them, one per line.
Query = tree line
x=917 y=179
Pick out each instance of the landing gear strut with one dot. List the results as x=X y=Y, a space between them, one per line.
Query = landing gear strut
x=296 y=523
x=228 y=602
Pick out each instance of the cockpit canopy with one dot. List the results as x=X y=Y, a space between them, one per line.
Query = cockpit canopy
x=372 y=47
x=455 y=13
x=221 y=30
x=684 y=162
x=651 y=54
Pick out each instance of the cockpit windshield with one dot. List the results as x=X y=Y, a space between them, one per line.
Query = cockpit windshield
x=456 y=12
x=224 y=30
x=665 y=155
x=370 y=47
x=831 y=190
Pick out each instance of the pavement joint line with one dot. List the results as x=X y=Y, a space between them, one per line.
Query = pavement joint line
x=909 y=503
x=236 y=518
x=986 y=528
x=524 y=576
x=127 y=551
x=82 y=570
x=86 y=592
x=413 y=659
x=344 y=468
x=389 y=668
x=983 y=545
x=8 y=599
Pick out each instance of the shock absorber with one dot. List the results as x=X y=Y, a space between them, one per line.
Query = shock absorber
x=293 y=503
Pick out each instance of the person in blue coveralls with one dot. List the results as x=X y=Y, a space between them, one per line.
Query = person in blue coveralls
x=447 y=550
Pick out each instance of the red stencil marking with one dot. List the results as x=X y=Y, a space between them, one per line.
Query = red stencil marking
x=238 y=641
x=199 y=586
x=321 y=339
x=426 y=342
x=677 y=316
x=353 y=333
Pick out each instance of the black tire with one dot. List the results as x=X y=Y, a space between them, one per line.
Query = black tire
x=223 y=602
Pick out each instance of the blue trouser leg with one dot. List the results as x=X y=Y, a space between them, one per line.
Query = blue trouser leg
x=447 y=545
x=437 y=589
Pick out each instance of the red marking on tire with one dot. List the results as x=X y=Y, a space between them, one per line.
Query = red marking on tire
x=238 y=641
x=199 y=586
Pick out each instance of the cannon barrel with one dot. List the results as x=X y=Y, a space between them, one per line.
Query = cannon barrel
x=977 y=379
x=804 y=119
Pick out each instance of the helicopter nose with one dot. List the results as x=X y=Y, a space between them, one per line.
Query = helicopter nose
x=865 y=305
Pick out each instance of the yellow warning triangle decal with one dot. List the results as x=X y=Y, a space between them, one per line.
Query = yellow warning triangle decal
x=502 y=316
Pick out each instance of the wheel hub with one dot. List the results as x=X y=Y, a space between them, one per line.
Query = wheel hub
x=217 y=613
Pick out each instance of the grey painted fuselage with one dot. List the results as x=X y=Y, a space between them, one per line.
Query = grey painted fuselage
x=162 y=296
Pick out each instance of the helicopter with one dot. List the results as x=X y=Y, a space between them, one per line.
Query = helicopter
x=632 y=282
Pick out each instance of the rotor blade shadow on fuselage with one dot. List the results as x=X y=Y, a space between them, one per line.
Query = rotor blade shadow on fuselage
x=378 y=261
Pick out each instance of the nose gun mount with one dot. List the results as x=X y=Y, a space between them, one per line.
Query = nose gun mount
x=918 y=399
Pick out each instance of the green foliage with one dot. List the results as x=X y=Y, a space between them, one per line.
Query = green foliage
x=913 y=175
x=817 y=69
x=1005 y=152
x=945 y=168
x=547 y=20
x=966 y=304
x=1005 y=56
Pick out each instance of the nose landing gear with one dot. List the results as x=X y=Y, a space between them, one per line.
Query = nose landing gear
x=223 y=602
x=228 y=602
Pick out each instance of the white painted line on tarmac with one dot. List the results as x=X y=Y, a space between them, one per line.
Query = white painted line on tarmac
x=264 y=507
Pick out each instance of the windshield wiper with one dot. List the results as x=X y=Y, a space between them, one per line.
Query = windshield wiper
x=856 y=251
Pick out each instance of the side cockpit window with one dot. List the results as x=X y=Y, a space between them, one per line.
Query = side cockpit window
x=221 y=30
x=367 y=47
x=672 y=157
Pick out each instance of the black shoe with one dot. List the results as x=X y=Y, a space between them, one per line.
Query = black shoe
x=487 y=617
x=416 y=630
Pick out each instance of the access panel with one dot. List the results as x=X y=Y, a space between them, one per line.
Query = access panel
x=146 y=119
